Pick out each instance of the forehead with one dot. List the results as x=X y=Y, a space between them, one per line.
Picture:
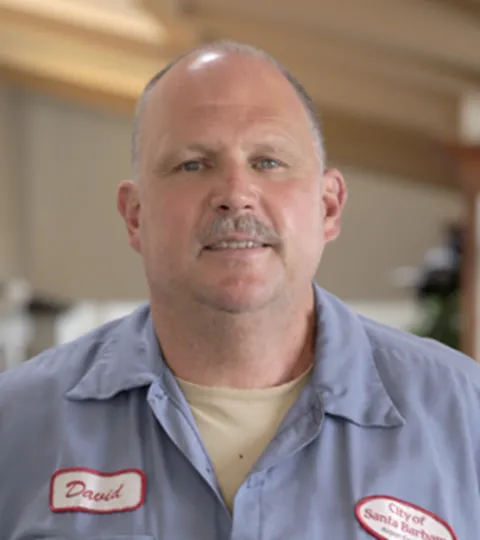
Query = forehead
x=218 y=92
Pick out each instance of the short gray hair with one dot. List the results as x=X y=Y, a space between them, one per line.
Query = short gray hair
x=227 y=47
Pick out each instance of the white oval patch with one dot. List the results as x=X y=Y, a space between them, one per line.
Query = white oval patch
x=387 y=518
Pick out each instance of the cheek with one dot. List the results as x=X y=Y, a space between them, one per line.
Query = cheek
x=303 y=215
x=303 y=222
x=167 y=225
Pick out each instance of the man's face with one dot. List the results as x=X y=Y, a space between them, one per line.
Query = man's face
x=232 y=209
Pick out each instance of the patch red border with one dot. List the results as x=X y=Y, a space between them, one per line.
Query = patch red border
x=365 y=500
x=143 y=491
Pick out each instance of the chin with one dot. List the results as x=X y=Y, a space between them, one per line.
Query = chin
x=240 y=297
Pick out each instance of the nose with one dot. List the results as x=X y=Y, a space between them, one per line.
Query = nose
x=234 y=191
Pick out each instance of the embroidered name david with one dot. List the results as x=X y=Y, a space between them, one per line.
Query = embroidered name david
x=86 y=490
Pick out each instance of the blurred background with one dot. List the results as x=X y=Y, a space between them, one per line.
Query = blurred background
x=397 y=85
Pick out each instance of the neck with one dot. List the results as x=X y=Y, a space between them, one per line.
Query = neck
x=248 y=350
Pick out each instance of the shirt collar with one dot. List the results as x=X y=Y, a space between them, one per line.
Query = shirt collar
x=344 y=375
x=128 y=357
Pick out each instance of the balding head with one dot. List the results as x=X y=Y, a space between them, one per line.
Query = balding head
x=224 y=48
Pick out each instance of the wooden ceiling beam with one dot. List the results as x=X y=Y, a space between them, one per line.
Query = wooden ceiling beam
x=73 y=67
x=311 y=46
x=343 y=76
x=373 y=119
x=135 y=30
x=395 y=152
x=85 y=52
x=169 y=13
x=39 y=50
x=435 y=31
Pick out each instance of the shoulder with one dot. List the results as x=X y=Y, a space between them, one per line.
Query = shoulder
x=423 y=372
x=51 y=374
x=419 y=352
x=402 y=359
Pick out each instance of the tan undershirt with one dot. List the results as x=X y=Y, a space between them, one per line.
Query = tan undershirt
x=237 y=425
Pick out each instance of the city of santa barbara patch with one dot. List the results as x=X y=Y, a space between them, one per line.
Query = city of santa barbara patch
x=388 y=518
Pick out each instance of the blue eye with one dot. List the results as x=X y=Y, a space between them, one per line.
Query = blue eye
x=192 y=166
x=267 y=163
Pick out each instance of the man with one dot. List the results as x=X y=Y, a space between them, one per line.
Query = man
x=242 y=402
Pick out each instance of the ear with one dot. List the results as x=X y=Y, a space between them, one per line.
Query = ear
x=128 y=204
x=334 y=199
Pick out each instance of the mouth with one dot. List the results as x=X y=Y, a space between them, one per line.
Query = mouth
x=236 y=245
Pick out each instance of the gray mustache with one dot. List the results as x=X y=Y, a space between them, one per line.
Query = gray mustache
x=223 y=226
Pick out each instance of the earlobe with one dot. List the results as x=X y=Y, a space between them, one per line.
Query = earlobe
x=128 y=204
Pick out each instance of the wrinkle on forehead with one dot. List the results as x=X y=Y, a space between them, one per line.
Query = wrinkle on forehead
x=220 y=126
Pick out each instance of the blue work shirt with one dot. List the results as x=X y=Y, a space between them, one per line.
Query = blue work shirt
x=388 y=427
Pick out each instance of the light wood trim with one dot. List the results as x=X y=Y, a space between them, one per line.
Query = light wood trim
x=438 y=32
x=37 y=55
x=135 y=30
x=344 y=75
x=370 y=121
x=394 y=152
x=100 y=76
x=311 y=46
x=170 y=13
x=72 y=67
x=76 y=51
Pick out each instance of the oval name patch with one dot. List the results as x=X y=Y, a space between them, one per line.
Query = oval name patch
x=387 y=518
x=86 y=490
